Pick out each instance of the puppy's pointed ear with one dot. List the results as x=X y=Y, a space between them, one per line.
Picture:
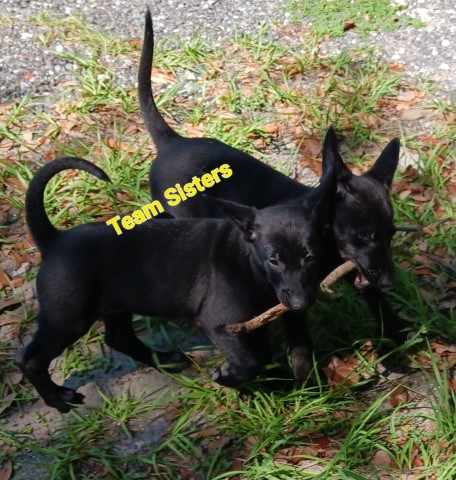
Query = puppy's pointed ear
x=384 y=168
x=333 y=165
x=242 y=215
x=323 y=195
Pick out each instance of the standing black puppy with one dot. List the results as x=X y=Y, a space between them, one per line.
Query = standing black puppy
x=217 y=271
x=360 y=227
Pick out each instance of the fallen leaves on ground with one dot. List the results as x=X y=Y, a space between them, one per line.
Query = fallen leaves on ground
x=349 y=371
x=6 y=471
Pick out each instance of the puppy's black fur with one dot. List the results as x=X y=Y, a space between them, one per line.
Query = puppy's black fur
x=360 y=226
x=218 y=271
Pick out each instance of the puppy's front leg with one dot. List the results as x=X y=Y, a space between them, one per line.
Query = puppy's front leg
x=393 y=323
x=245 y=354
x=300 y=344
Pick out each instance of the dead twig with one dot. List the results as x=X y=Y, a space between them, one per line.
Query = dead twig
x=337 y=273
x=275 y=312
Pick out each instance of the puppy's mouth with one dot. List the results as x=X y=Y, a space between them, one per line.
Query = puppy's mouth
x=361 y=281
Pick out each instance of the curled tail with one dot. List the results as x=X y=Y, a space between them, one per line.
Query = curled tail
x=159 y=130
x=40 y=226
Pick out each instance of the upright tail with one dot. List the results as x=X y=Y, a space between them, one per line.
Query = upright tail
x=160 y=131
x=40 y=227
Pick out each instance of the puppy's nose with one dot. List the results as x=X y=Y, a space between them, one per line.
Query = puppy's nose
x=294 y=301
x=298 y=304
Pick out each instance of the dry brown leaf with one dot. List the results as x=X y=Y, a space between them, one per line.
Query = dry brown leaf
x=17 y=282
x=269 y=128
x=6 y=144
x=312 y=164
x=286 y=110
x=420 y=198
x=207 y=432
x=398 y=395
x=440 y=349
x=194 y=130
x=250 y=442
x=4 y=282
x=28 y=136
x=407 y=96
x=368 y=120
x=7 y=319
x=6 y=471
x=340 y=372
x=8 y=302
x=68 y=125
x=70 y=83
x=294 y=455
x=416 y=113
x=381 y=458
x=162 y=77
x=311 y=146
x=117 y=145
x=404 y=194
x=14 y=378
x=423 y=271
x=16 y=182
x=348 y=25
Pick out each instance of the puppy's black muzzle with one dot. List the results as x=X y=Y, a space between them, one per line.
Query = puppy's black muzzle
x=295 y=301
x=374 y=278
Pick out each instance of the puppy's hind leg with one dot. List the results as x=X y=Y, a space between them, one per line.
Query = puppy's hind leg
x=120 y=335
x=50 y=340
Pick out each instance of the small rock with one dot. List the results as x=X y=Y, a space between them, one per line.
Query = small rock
x=92 y=398
x=12 y=216
x=8 y=265
x=21 y=270
x=408 y=158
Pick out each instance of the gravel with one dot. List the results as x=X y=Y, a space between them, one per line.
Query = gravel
x=22 y=54
x=26 y=66
x=428 y=52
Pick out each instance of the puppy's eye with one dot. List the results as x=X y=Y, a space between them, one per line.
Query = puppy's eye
x=274 y=259
x=366 y=238
x=306 y=259
x=309 y=258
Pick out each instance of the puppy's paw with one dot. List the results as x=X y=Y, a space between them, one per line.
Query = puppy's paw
x=223 y=376
x=301 y=364
x=64 y=399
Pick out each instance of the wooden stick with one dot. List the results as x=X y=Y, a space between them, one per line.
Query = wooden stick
x=275 y=312
x=337 y=273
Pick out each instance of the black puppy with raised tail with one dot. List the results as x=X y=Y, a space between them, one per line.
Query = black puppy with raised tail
x=218 y=271
x=360 y=227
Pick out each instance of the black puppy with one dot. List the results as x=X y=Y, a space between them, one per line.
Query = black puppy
x=360 y=227
x=217 y=271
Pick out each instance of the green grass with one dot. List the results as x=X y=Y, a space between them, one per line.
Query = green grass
x=267 y=431
x=331 y=17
